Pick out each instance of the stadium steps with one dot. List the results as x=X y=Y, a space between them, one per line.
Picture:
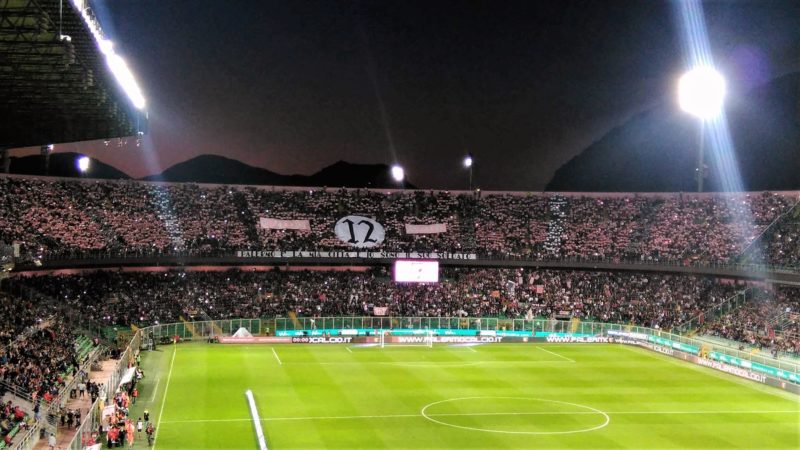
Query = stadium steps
x=163 y=203
x=188 y=326
x=293 y=317
x=16 y=397
x=83 y=348
x=217 y=330
x=557 y=208
x=754 y=252
x=784 y=321
x=11 y=435
x=246 y=216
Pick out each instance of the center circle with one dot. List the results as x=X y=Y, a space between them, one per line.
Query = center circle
x=515 y=415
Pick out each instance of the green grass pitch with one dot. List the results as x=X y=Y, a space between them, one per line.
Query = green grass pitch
x=496 y=396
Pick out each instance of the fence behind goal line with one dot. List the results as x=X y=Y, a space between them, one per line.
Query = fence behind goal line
x=208 y=329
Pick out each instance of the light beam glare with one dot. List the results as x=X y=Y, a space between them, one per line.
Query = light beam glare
x=376 y=89
x=720 y=149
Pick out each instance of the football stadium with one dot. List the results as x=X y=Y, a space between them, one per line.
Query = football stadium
x=163 y=287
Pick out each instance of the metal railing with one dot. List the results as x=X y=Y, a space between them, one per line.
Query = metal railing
x=733 y=302
x=29 y=439
x=93 y=418
x=149 y=253
x=65 y=393
x=88 y=426
x=16 y=391
x=209 y=329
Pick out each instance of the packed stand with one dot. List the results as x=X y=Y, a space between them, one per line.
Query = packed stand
x=770 y=321
x=780 y=243
x=40 y=363
x=90 y=218
x=323 y=208
x=145 y=298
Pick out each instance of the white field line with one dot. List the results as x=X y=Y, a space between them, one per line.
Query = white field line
x=262 y=441
x=536 y=413
x=430 y=363
x=405 y=345
x=276 y=356
x=153 y=397
x=348 y=349
x=164 y=401
x=554 y=353
x=472 y=350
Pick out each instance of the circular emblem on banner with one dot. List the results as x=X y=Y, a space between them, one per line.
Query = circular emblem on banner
x=359 y=231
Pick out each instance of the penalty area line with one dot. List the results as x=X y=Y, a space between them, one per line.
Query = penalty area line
x=276 y=356
x=555 y=354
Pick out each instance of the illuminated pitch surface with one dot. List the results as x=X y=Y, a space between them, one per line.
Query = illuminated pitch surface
x=510 y=396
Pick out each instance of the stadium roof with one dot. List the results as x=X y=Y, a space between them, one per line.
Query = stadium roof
x=55 y=83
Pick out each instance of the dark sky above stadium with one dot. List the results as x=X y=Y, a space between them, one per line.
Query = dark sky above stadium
x=296 y=85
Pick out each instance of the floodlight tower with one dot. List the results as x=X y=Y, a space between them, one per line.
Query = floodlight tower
x=83 y=163
x=468 y=163
x=398 y=174
x=701 y=93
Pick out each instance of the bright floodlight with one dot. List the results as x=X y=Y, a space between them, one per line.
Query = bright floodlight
x=115 y=63
x=398 y=173
x=701 y=92
x=468 y=161
x=83 y=163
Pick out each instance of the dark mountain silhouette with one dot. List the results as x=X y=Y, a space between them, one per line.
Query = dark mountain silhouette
x=657 y=150
x=64 y=165
x=344 y=174
x=221 y=170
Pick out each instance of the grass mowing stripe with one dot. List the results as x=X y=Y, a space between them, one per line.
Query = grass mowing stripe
x=153 y=397
x=556 y=354
x=164 y=401
x=482 y=414
x=652 y=402
x=717 y=374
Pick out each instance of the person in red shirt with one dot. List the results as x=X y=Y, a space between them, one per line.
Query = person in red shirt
x=113 y=436
x=135 y=395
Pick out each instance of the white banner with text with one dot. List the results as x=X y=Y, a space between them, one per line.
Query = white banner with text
x=281 y=224
x=434 y=228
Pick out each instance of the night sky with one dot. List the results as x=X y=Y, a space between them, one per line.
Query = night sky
x=294 y=86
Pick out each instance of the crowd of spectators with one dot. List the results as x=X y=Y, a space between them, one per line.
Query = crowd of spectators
x=12 y=420
x=770 y=320
x=144 y=298
x=780 y=242
x=122 y=298
x=37 y=362
x=87 y=218
x=40 y=362
x=51 y=218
